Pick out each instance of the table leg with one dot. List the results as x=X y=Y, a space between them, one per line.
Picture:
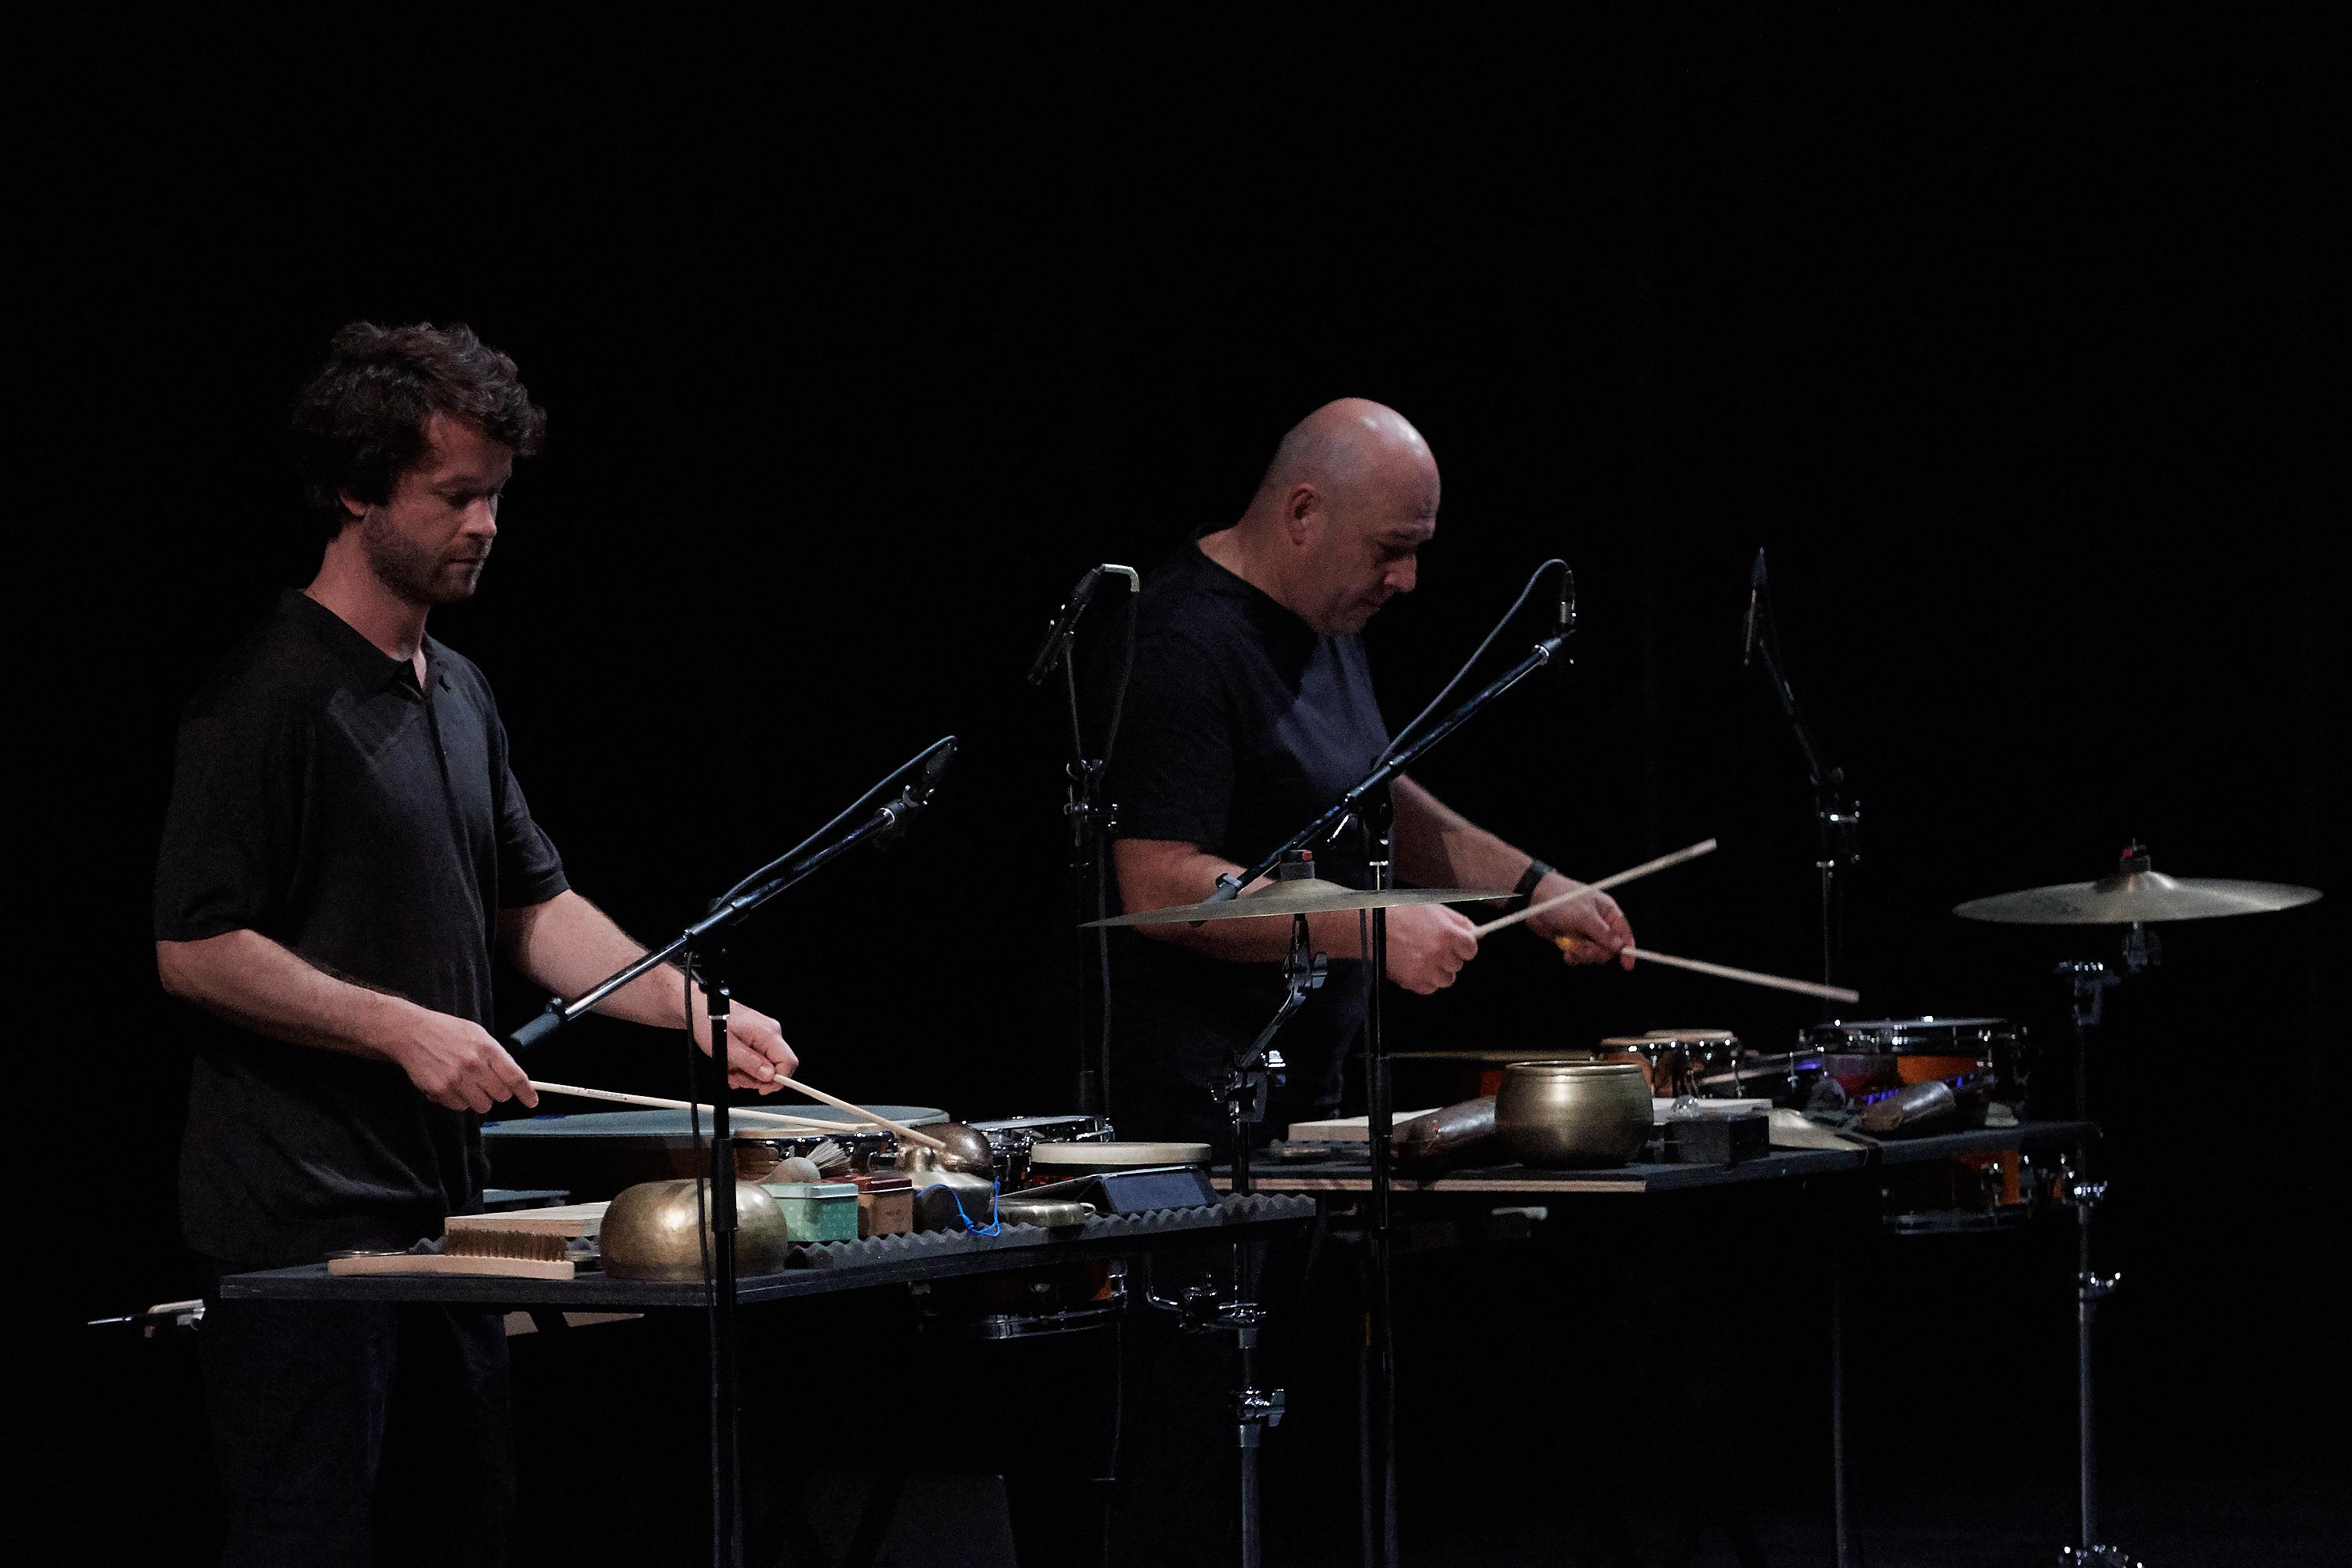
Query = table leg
x=1841 y=1543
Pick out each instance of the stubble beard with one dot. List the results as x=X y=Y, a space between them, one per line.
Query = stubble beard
x=418 y=575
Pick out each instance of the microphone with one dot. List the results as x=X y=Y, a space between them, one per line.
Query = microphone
x=1567 y=603
x=934 y=769
x=1754 y=598
x=914 y=796
x=1057 y=634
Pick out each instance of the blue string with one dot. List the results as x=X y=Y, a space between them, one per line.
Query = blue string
x=994 y=1226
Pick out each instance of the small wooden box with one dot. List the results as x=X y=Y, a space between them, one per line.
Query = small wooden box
x=886 y=1204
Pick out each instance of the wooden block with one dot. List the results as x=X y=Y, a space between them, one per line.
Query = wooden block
x=442 y=1263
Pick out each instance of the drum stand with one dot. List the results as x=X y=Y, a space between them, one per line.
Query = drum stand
x=2089 y=982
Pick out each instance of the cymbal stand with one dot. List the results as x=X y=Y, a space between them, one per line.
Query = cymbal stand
x=1368 y=803
x=2089 y=982
x=1249 y=1077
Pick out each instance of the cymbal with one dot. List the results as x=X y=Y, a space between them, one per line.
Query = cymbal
x=1307 y=896
x=2133 y=896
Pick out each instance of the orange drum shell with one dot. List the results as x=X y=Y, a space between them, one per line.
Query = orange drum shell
x=1913 y=1070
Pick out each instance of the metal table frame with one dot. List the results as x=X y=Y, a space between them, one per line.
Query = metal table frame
x=1344 y=1175
x=818 y=1270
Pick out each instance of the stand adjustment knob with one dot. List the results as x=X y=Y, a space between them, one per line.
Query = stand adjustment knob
x=2097 y=1287
x=2096 y=1557
x=1255 y=1410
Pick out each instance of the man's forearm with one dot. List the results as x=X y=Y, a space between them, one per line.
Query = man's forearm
x=261 y=986
x=1437 y=846
x=1158 y=875
x=568 y=944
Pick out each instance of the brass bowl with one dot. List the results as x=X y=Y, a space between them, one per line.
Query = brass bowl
x=649 y=1232
x=968 y=1148
x=1573 y=1115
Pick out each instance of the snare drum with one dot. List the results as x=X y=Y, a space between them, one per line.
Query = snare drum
x=1675 y=1060
x=1012 y=1137
x=1059 y=1298
x=758 y=1152
x=1920 y=1050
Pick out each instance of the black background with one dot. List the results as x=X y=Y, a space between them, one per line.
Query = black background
x=2010 y=335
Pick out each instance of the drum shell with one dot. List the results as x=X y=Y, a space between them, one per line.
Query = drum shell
x=1675 y=1060
x=756 y=1152
x=1931 y=1047
x=1568 y=1115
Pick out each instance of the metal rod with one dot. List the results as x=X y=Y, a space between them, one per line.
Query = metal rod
x=1252 y=1539
x=1841 y=1541
x=2086 y=1308
x=727 y=1547
x=1381 y=1429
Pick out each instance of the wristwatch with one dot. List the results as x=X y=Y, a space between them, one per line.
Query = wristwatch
x=1525 y=893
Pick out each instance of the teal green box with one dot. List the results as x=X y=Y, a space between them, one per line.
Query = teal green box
x=817 y=1211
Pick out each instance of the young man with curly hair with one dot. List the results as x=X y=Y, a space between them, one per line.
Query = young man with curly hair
x=345 y=854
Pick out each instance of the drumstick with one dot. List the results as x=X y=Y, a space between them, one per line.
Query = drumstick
x=799 y=1123
x=656 y=1102
x=1722 y=970
x=1660 y=863
x=820 y=1096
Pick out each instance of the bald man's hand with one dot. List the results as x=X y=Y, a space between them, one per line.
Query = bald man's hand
x=1596 y=920
x=1428 y=945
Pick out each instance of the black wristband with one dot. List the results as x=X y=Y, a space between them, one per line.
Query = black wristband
x=1525 y=893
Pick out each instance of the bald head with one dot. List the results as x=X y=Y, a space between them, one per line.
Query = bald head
x=1336 y=526
x=1343 y=447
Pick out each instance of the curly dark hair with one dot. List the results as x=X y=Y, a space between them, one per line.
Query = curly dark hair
x=360 y=421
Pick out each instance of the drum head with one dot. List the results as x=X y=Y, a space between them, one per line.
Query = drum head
x=1114 y=1156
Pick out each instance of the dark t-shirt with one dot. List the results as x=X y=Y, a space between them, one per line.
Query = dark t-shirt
x=1242 y=724
x=324 y=800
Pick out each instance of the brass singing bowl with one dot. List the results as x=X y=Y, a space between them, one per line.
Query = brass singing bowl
x=968 y=1149
x=1573 y=1115
x=650 y=1232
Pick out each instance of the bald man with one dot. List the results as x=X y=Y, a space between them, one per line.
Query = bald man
x=1251 y=712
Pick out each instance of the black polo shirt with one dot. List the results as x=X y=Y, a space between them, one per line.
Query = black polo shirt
x=323 y=799
x=1242 y=725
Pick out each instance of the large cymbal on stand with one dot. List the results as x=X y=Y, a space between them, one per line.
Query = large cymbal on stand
x=1305 y=895
x=2135 y=895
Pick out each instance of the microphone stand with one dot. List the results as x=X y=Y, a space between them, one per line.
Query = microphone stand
x=1837 y=820
x=706 y=962
x=1092 y=821
x=1368 y=801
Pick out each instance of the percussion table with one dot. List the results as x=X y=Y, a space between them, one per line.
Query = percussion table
x=1344 y=1173
x=813 y=1270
